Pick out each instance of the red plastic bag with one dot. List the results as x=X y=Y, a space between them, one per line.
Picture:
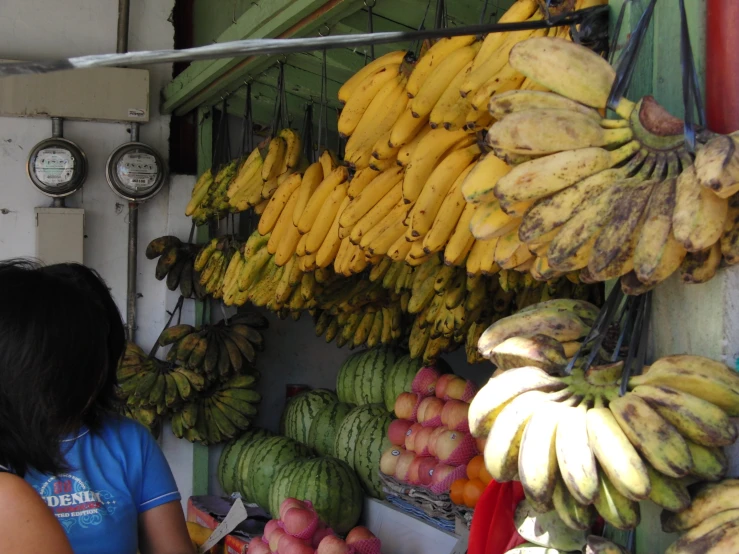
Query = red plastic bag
x=493 y=530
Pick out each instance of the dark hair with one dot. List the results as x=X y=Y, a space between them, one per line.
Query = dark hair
x=61 y=337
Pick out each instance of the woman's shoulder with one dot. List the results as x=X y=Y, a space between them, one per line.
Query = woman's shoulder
x=114 y=425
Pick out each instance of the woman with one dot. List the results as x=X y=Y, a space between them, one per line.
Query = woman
x=103 y=476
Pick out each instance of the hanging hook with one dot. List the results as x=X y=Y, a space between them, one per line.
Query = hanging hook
x=370 y=27
x=321 y=33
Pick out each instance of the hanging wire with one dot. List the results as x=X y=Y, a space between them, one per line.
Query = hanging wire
x=176 y=310
x=692 y=100
x=283 y=98
x=247 y=124
x=339 y=140
x=416 y=46
x=277 y=115
x=370 y=29
x=484 y=11
x=308 y=148
x=617 y=32
x=323 y=111
x=440 y=22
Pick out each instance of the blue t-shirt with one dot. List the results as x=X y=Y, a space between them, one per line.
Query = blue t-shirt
x=115 y=475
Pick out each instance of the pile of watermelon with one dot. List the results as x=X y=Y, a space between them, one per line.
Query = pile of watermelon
x=430 y=440
x=266 y=469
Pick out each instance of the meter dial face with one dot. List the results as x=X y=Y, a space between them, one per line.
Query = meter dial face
x=136 y=171
x=57 y=167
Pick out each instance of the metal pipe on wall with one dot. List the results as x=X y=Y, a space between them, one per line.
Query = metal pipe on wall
x=722 y=61
x=124 y=10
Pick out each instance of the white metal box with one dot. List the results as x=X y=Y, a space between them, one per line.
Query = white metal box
x=60 y=235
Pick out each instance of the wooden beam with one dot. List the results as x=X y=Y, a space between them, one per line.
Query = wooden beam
x=204 y=82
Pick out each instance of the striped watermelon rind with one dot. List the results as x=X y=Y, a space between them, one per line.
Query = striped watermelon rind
x=228 y=463
x=371 y=444
x=245 y=465
x=345 y=378
x=325 y=426
x=400 y=378
x=349 y=430
x=333 y=488
x=301 y=411
x=273 y=454
x=279 y=490
x=371 y=374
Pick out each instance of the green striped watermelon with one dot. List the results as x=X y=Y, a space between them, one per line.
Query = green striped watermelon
x=228 y=463
x=400 y=378
x=371 y=373
x=334 y=490
x=245 y=466
x=325 y=426
x=274 y=453
x=345 y=379
x=279 y=490
x=349 y=430
x=301 y=411
x=372 y=443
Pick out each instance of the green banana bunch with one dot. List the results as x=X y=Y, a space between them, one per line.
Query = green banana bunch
x=177 y=263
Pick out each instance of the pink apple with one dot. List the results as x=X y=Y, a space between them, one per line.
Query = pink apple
x=410 y=436
x=319 y=535
x=441 y=473
x=359 y=533
x=435 y=434
x=430 y=408
x=426 y=470
x=442 y=383
x=454 y=414
x=270 y=527
x=274 y=539
x=299 y=521
x=447 y=443
x=389 y=460
x=405 y=404
x=397 y=431
x=403 y=465
x=256 y=546
x=455 y=388
x=289 y=503
x=291 y=545
x=332 y=545
x=422 y=440
x=424 y=383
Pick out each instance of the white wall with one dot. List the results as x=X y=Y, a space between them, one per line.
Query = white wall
x=51 y=29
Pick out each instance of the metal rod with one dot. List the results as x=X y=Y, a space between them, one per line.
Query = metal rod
x=124 y=11
x=133 y=237
x=57 y=127
x=134 y=132
x=284 y=46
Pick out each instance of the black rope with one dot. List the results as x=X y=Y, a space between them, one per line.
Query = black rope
x=247 y=129
x=484 y=11
x=370 y=29
x=177 y=309
x=323 y=111
x=617 y=32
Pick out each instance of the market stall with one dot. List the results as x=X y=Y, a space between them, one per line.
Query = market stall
x=440 y=286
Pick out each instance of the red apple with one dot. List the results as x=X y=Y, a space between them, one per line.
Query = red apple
x=299 y=521
x=332 y=545
x=422 y=440
x=441 y=473
x=410 y=436
x=289 y=503
x=442 y=383
x=359 y=533
x=454 y=414
x=397 y=431
x=435 y=434
x=291 y=545
x=274 y=539
x=403 y=465
x=421 y=469
x=256 y=546
x=448 y=443
x=430 y=408
x=405 y=404
x=270 y=527
x=424 y=383
x=389 y=460
x=456 y=388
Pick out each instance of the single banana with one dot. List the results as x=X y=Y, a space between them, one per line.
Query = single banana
x=449 y=98
x=506 y=80
x=701 y=267
x=575 y=455
x=711 y=499
x=614 y=507
x=667 y=492
x=479 y=184
x=717 y=165
x=699 y=217
x=294 y=148
x=274 y=158
x=277 y=203
x=312 y=177
x=432 y=58
x=490 y=221
x=358 y=103
x=513 y=101
x=448 y=215
x=406 y=152
x=425 y=157
x=716 y=534
x=575 y=515
x=369 y=198
x=709 y=463
x=348 y=89
x=319 y=197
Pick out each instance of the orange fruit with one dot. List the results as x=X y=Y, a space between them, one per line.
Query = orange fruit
x=457 y=491
x=473 y=490
x=485 y=476
x=474 y=467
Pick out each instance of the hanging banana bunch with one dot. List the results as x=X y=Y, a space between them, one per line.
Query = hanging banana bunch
x=177 y=263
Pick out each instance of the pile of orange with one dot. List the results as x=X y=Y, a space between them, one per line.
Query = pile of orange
x=467 y=490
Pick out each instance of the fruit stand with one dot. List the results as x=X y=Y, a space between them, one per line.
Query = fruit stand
x=468 y=292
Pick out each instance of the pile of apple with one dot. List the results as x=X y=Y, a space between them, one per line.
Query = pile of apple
x=300 y=531
x=431 y=440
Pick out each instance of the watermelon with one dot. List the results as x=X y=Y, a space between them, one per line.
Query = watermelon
x=279 y=490
x=371 y=373
x=334 y=490
x=372 y=443
x=228 y=463
x=349 y=430
x=345 y=379
x=301 y=411
x=245 y=465
x=399 y=379
x=274 y=453
x=324 y=427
